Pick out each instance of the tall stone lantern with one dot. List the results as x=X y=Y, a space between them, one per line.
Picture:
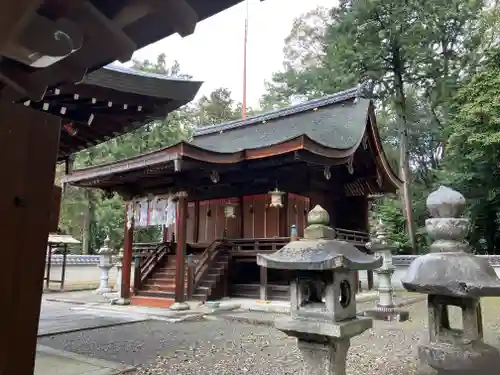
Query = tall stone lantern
x=322 y=292
x=450 y=276
x=105 y=264
x=385 y=308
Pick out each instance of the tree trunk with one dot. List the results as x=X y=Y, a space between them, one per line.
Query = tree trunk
x=404 y=165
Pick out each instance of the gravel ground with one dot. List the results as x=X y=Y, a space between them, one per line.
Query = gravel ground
x=222 y=347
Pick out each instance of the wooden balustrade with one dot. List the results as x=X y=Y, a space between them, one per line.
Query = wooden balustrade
x=352 y=236
x=197 y=271
x=254 y=246
x=146 y=260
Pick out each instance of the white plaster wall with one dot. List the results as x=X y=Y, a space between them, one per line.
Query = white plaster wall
x=82 y=276
x=399 y=273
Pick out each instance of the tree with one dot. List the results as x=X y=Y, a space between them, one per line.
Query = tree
x=473 y=152
x=216 y=108
x=409 y=68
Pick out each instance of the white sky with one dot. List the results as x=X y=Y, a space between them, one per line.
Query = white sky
x=214 y=53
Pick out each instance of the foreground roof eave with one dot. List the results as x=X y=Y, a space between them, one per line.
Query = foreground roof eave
x=190 y=151
x=143 y=83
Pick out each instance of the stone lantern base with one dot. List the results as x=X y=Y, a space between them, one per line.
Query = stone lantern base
x=452 y=359
x=387 y=314
x=323 y=345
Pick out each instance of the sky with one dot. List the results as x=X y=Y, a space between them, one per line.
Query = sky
x=214 y=52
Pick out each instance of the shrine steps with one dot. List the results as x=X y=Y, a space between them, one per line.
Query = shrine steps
x=147 y=301
x=212 y=284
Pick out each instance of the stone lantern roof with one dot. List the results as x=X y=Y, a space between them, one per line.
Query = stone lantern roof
x=318 y=250
x=449 y=270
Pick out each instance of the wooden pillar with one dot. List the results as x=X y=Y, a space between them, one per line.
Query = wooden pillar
x=283 y=218
x=242 y=216
x=196 y=223
x=263 y=283
x=29 y=142
x=180 y=252
x=128 y=242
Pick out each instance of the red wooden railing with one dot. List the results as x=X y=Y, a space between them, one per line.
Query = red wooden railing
x=146 y=258
x=203 y=264
x=353 y=236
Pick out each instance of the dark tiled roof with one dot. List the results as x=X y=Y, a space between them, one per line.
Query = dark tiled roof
x=125 y=79
x=336 y=121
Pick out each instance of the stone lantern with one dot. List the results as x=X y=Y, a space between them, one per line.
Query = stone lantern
x=276 y=198
x=385 y=309
x=452 y=277
x=105 y=264
x=323 y=302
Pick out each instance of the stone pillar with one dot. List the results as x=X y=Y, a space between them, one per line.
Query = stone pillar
x=119 y=266
x=105 y=264
x=453 y=277
x=385 y=308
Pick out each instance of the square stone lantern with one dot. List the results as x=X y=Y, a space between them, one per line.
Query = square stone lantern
x=322 y=293
x=451 y=276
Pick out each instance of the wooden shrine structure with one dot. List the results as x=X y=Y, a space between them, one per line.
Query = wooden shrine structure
x=244 y=187
x=52 y=105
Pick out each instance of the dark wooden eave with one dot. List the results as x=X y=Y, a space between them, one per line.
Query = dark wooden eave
x=108 y=30
x=109 y=102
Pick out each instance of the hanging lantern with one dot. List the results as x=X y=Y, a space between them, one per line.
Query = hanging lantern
x=229 y=210
x=276 y=198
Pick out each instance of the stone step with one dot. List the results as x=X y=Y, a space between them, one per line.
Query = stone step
x=158 y=288
x=154 y=293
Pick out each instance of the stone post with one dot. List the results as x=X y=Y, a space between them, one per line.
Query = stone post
x=322 y=293
x=450 y=276
x=105 y=264
x=119 y=266
x=385 y=308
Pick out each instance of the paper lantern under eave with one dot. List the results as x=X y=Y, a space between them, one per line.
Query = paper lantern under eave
x=229 y=210
x=276 y=198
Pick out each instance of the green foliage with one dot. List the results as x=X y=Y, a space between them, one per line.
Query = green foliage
x=473 y=152
x=90 y=216
x=413 y=56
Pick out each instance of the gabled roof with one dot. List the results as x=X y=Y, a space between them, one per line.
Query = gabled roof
x=336 y=121
x=328 y=130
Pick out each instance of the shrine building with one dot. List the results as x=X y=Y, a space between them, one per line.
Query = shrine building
x=245 y=187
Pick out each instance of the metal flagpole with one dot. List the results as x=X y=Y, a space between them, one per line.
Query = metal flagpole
x=244 y=103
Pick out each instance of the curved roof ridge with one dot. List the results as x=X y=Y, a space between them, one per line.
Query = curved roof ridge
x=282 y=112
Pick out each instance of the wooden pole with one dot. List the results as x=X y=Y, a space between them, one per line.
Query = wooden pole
x=128 y=241
x=29 y=142
x=180 y=252
x=244 y=103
